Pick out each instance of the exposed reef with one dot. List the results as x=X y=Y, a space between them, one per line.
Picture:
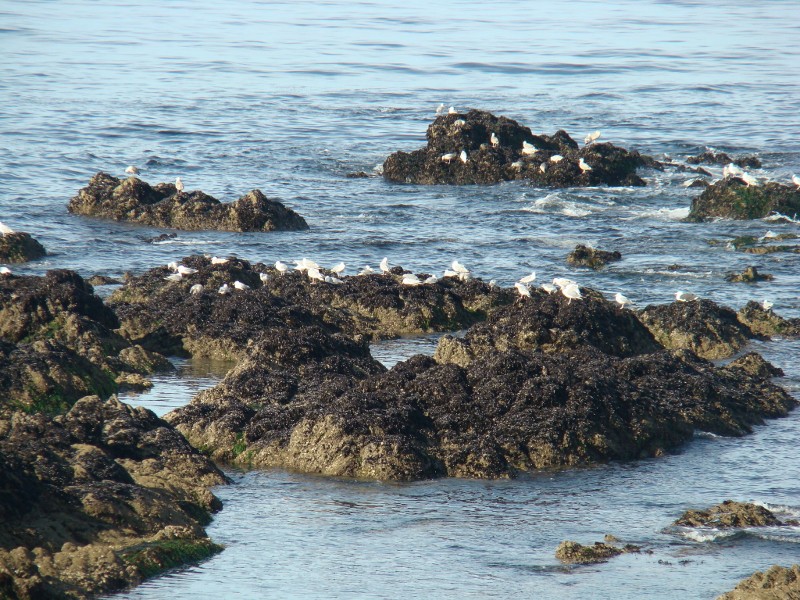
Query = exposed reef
x=584 y=256
x=749 y=275
x=20 y=247
x=712 y=157
x=574 y=553
x=550 y=160
x=777 y=583
x=732 y=198
x=731 y=514
x=163 y=205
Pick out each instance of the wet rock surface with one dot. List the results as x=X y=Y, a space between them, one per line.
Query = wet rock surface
x=584 y=256
x=98 y=499
x=569 y=389
x=749 y=275
x=163 y=205
x=765 y=322
x=448 y=135
x=732 y=198
x=777 y=583
x=20 y=247
x=574 y=553
x=730 y=514
x=712 y=157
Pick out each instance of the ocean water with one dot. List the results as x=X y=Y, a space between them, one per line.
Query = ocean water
x=289 y=97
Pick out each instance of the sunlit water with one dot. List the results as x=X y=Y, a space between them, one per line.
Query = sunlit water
x=289 y=98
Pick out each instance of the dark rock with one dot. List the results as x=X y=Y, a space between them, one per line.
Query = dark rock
x=702 y=326
x=729 y=514
x=357 y=175
x=732 y=198
x=83 y=494
x=777 y=583
x=749 y=275
x=712 y=157
x=19 y=247
x=452 y=133
x=163 y=206
x=764 y=321
x=574 y=553
x=95 y=280
x=698 y=183
x=584 y=256
x=160 y=238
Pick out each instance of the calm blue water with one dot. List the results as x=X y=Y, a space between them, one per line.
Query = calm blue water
x=289 y=97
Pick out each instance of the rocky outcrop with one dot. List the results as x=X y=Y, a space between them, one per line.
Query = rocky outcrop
x=554 y=163
x=98 y=499
x=19 y=247
x=574 y=553
x=730 y=514
x=165 y=316
x=546 y=383
x=749 y=275
x=163 y=205
x=732 y=198
x=57 y=344
x=765 y=322
x=584 y=256
x=777 y=583
x=712 y=157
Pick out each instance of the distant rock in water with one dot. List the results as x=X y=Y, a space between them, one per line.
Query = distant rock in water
x=584 y=256
x=163 y=205
x=460 y=151
x=730 y=514
x=20 y=247
x=732 y=198
x=574 y=553
x=749 y=275
x=712 y=157
x=763 y=321
x=777 y=583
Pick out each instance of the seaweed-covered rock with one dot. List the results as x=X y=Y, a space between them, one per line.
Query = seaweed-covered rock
x=98 y=499
x=574 y=553
x=729 y=514
x=166 y=316
x=440 y=162
x=764 y=321
x=163 y=205
x=749 y=275
x=732 y=198
x=702 y=326
x=19 y=247
x=777 y=583
x=712 y=157
x=584 y=256
x=58 y=344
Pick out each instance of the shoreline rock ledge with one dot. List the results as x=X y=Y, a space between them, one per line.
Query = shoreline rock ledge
x=162 y=205
x=481 y=148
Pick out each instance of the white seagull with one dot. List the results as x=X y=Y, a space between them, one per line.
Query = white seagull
x=731 y=170
x=563 y=282
x=529 y=278
x=132 y=171
x=384 y=266
x=281 y=267
x=184 y=270
x=623 y=301
x=240 y=286
x=494 y=139
x=179 y=184
x=452 y=111
x=174 y=277
x=314 y=273
x=543 y=167
x=5 y=271
x=522 y=290
x=367 y=270
x=449 y=273
x=431 y=279
x=448 y=157
x=410 y=279
x=796 y=180
x=591 y=137
x=572 y=291
x=749 y=179
x=556 y=158
x=767 y=304
x=216 y=260
x=549 y=288
x=224 y=289
x=684 y=296
x=528 y=149
x=463 y=156
x=172 y=266
x=338 y=269
x=440 y=109
x=196 y=288
x=516 y=165
x=459 y=123
x=263 y=277
x=459 y=268
x=5 y=229
x=583 y=166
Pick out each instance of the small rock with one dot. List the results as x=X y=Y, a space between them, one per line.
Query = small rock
x=749 y=275
x=584 y=256
x=777 y=583
x=20 y=247
x=575 y=553
x=729 y=514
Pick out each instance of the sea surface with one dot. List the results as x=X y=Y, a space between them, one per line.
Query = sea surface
x=290 y=97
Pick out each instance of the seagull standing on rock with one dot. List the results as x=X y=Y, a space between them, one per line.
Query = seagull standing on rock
x=528 y=149
x=5 y=271
x=583 y=166
x=796 y=181
x=338 y=269
x=622 y=300
x=528 y=278
x=494 y=140
x=132 y=171
x=591 y=137
x=240 y=286
x=685 y=296
x=224 y=289
x=5 y=229
x=196 y=288
x=522 y=290
x=448 y=157
x=452 y=111
x=463 y=156
x=179 y=185
x=572 y=291
x=767 y=304
x=384 y=266
x=410 y=279
x=281 y=267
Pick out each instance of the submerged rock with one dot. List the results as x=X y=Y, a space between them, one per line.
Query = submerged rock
x=441 y=162
x=19 y=247
x=164 y=206
x=730 y=514
x=749 y=275
x=712 y=157
x=732 y=198
x=575 y=553
x=777 y=583
x=98 y=499
x=584 y=256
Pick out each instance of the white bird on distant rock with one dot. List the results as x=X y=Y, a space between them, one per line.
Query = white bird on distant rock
x=556 y=158
x=281 y=267
x=731 y=170
x=591 y=137
x=309 y=264
x=172 y=266
x=410 y=279
x=132 y=171
x=431 y=279
x=196 y=288
x=367 y=270
x=767 y=304
x=583 y=166
x=543 y=167
x=684 y=296
x=184 y=270
x=440 y=109
x=216 y=260
x=463 y=156
x=458 y=267
x=563 y=282
x=314 y=273
x=522 y=290
x=448 y=157
x=528 y=149
x=549 y=288
x=174 y=277
x=572 y=291
x=623 y=301
x=516 y=165
x=240 y=286
x=179 y=184
x=494 y=139
x=492 y=283
x=384 y=265
x=528 y=278
x=452 y=111
x=263 y=277
x=5 y=229
x=5 y=271
x=449 y=273
x=796 y=180
x=339 y=268
x=334 y=280
x=224 y=289
x=749 y=179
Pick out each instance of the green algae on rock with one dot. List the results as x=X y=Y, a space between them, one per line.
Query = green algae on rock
x=584 y=256
x=19 y=247
x=163 y=205
x=730 y=514
x=574 y=553
x=732 y=198
x=777 y=583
